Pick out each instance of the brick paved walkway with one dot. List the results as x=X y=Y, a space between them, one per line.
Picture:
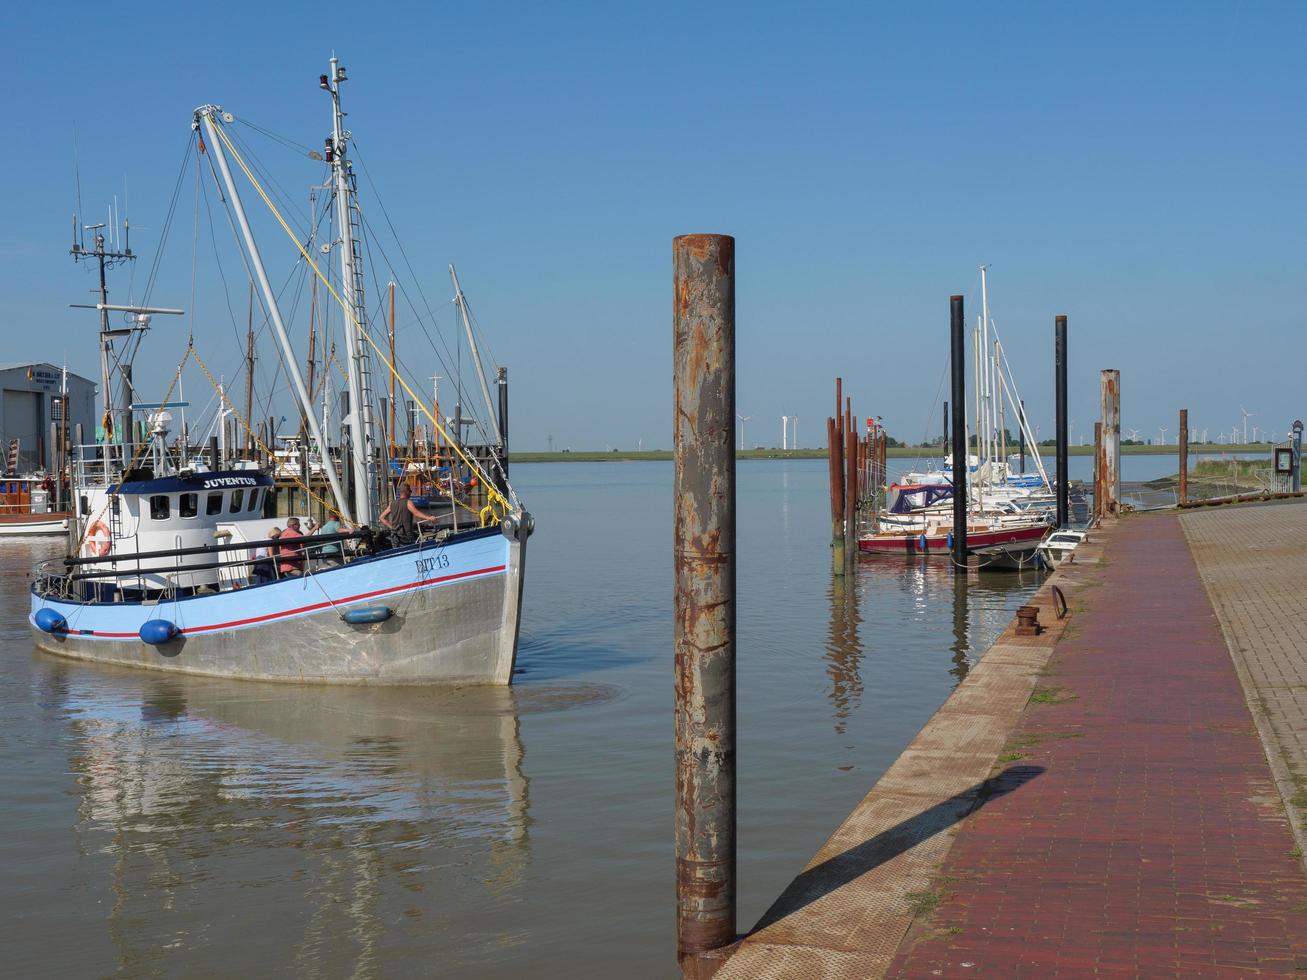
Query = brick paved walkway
x=1254 y=564
x=1155 y=842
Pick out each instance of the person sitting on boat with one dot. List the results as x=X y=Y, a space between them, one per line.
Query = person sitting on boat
x=290 y=557
x=403 y=516
x=328 y=554
x=265 y=569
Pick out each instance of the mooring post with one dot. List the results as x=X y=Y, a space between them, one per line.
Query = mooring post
x=1184 y=455
x=1110 y=398
x=836 y=472
x=851 y=496
x=1098 y=470
x=703 y=360
x=958 y=365
x=1297 y=456
x=1059 y=370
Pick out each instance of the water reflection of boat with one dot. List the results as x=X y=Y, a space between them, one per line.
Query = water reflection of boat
x=321 y=813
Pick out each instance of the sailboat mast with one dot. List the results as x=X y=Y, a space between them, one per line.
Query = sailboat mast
x=360 y=395
x=206 y=116
x=391 y=403
x=983 y=356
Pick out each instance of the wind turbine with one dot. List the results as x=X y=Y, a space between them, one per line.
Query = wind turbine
x=1134 y=435
x=794 y=442
x=1246 y=416
x=785 y=432
x=1162 y=429
x=743 y=419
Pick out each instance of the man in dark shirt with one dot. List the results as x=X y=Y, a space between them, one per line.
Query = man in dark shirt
x=403 y=516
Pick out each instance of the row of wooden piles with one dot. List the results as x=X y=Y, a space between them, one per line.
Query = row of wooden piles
x=856 y=465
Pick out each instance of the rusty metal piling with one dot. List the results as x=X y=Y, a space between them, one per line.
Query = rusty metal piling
x=1098 y=470
x=703 y=432
x=851 y=495
x=1184 y=455
x=1110 y=399
x=958 y=366
x=1059 y=381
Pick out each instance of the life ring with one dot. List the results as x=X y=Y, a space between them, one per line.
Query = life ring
x=98 y=539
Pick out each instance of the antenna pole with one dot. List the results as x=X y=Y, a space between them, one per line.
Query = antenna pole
x=256 y=260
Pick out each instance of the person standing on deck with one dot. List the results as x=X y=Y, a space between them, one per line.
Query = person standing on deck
x=403 y=516
x=290 y=558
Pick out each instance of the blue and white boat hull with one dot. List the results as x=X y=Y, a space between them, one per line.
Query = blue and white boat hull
x=452 y=616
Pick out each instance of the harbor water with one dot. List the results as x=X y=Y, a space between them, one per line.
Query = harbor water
x=165 y=825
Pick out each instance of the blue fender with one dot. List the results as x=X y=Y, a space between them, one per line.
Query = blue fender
x=921 y=542
x=158 y=631
x=49 y=621
x=367 y=614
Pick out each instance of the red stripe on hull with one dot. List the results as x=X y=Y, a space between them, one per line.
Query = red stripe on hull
x=910 y=544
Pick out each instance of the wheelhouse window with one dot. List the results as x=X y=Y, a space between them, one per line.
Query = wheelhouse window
x=159 y=508
x=190 y=504
x=237 y=501
x=254 y=499
x=86 y=505
x=213 y=505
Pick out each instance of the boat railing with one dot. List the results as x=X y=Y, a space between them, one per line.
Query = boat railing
x=302 y=542
x=312 y=552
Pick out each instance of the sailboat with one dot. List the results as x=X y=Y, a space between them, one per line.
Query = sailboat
x=168 y=544
x=1008 y=513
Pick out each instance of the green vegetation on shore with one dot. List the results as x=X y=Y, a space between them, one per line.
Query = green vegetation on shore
x=894 y=452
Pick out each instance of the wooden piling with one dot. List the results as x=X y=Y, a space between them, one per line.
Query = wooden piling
x=835 y=459
x=1110 y=396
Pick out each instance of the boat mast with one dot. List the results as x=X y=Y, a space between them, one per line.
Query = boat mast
x=983 y=356
x=105 y=257
x=205 y=114
x=360 y=373
x=461 y=301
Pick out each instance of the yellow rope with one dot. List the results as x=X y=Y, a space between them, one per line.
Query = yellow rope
x=326 y=459
x=491 y=493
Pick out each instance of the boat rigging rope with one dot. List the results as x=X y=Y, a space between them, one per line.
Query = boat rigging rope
x=493 y=495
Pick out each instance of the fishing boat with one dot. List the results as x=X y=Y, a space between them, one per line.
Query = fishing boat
x=173 y=568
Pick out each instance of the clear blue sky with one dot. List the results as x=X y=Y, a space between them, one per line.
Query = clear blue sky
x=1139 y=167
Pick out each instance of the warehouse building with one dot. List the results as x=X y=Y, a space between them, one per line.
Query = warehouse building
x=30 y=402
